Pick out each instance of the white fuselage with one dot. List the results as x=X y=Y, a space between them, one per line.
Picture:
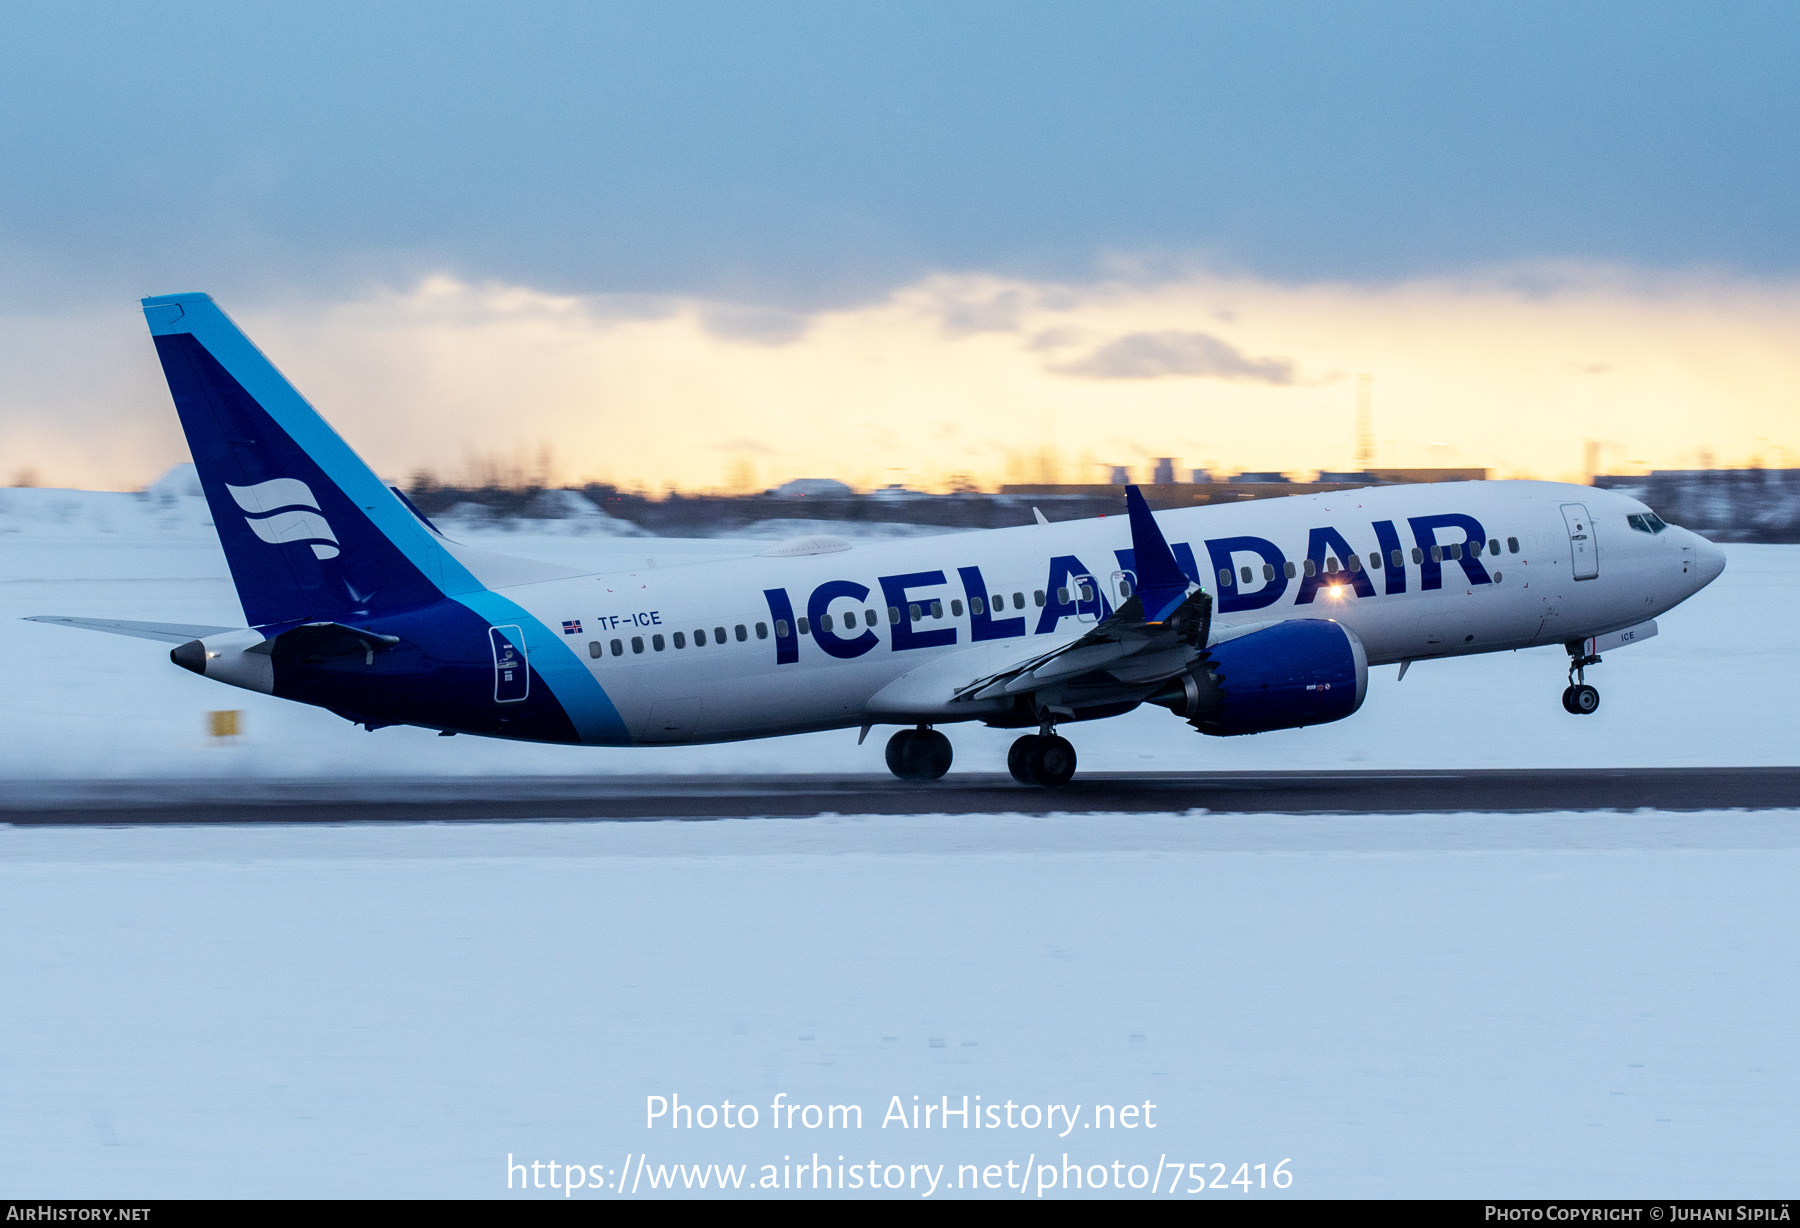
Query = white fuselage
x=651 y=637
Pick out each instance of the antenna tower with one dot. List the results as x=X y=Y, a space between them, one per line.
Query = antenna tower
x=1365 y=423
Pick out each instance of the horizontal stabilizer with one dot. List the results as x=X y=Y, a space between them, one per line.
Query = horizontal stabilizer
x=168 y=633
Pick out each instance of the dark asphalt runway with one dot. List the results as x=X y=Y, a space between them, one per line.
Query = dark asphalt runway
x=715 y=797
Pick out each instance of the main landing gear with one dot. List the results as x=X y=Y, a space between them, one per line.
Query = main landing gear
x=919 y=754
x=1041 y=759
x=1580 y=698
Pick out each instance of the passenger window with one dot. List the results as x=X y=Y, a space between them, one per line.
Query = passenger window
x=1311 y=568
x=1245 y=574
x=893 y=614
x=1419 y=555
x=699 y=637
x=680 y=640
x=914 y=612
x=1354 y=562
x=637 y=643
x=937 y=609
x=1375 y=558
x=1224 y=577
x=1037 y=596
x=1399 y=559
x=762 y=631
x=1494 y=545
x=824 y=623
x=1331 y=566
x=805 y=627
x=1062 y=595
x=1512 y=545
x=956 y=608
x=1289 y=568
x=975 y=606
x=1437 y=554
x=781 y=629
x=656 y=642
x=718 y=635
x=594 y=649
x=1456 y=550
x=1019 y=601
x=1087 y=592
x=998 y=601
x=868 y=618
x=1124 y=588
x=1268 y=572
x=618 y=649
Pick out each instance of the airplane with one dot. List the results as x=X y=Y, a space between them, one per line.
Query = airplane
x=1238 y=618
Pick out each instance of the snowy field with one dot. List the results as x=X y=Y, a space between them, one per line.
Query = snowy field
x=1713 y=688
x=1477 y=1005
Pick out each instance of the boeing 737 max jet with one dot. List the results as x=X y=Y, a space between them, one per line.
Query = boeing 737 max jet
x=1238 y=618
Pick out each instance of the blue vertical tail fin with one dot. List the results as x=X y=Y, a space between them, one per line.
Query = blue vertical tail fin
x=1161 y=584
x=309 y=531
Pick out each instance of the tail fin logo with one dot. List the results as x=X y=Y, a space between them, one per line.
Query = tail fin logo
x=284 y=510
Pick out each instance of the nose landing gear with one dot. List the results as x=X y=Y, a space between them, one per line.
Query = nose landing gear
x=1579 y=698
x=919 y=754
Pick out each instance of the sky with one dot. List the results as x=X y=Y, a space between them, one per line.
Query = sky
x=711 y=244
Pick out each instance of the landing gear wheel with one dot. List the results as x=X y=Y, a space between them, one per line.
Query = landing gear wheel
x=1583 y=700
x=1569 y=700
x=1018 y=759
x=1041 y=759
x=919 y=754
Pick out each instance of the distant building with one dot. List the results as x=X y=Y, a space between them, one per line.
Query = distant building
x=1724 y=504
x=1121 y=475
x=1405 y=476
x=1261 y=477
x=1346 y=476
x=813 y=488
x=1201 y=476
x=1164 y=474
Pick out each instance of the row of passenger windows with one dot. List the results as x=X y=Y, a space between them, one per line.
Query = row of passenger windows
x=1354 y=563
x=915 y=612
x=657 y=643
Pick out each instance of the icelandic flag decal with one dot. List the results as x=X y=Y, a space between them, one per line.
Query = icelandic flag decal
x=572 y=626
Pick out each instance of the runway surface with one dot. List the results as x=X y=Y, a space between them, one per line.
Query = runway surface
x=626 y=798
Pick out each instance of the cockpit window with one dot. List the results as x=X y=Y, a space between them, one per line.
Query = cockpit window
x=1646 y=522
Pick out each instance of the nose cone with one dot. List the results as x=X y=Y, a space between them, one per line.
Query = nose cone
x=1710 y=559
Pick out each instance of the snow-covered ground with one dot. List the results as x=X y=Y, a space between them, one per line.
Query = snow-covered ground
x=1496 y=1005
x=1462 y=1006
x=1713 y=688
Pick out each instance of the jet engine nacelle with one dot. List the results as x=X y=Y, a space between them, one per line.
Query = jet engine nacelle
x=1304 y=672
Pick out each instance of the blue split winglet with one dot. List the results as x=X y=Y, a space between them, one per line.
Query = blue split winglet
x=1161 y=586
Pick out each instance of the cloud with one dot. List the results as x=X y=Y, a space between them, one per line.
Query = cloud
x=757 y=325
x=652 y=391
x=999 y=314
x=1161 y=354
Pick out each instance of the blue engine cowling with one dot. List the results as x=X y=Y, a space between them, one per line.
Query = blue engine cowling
x=1305 y=672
